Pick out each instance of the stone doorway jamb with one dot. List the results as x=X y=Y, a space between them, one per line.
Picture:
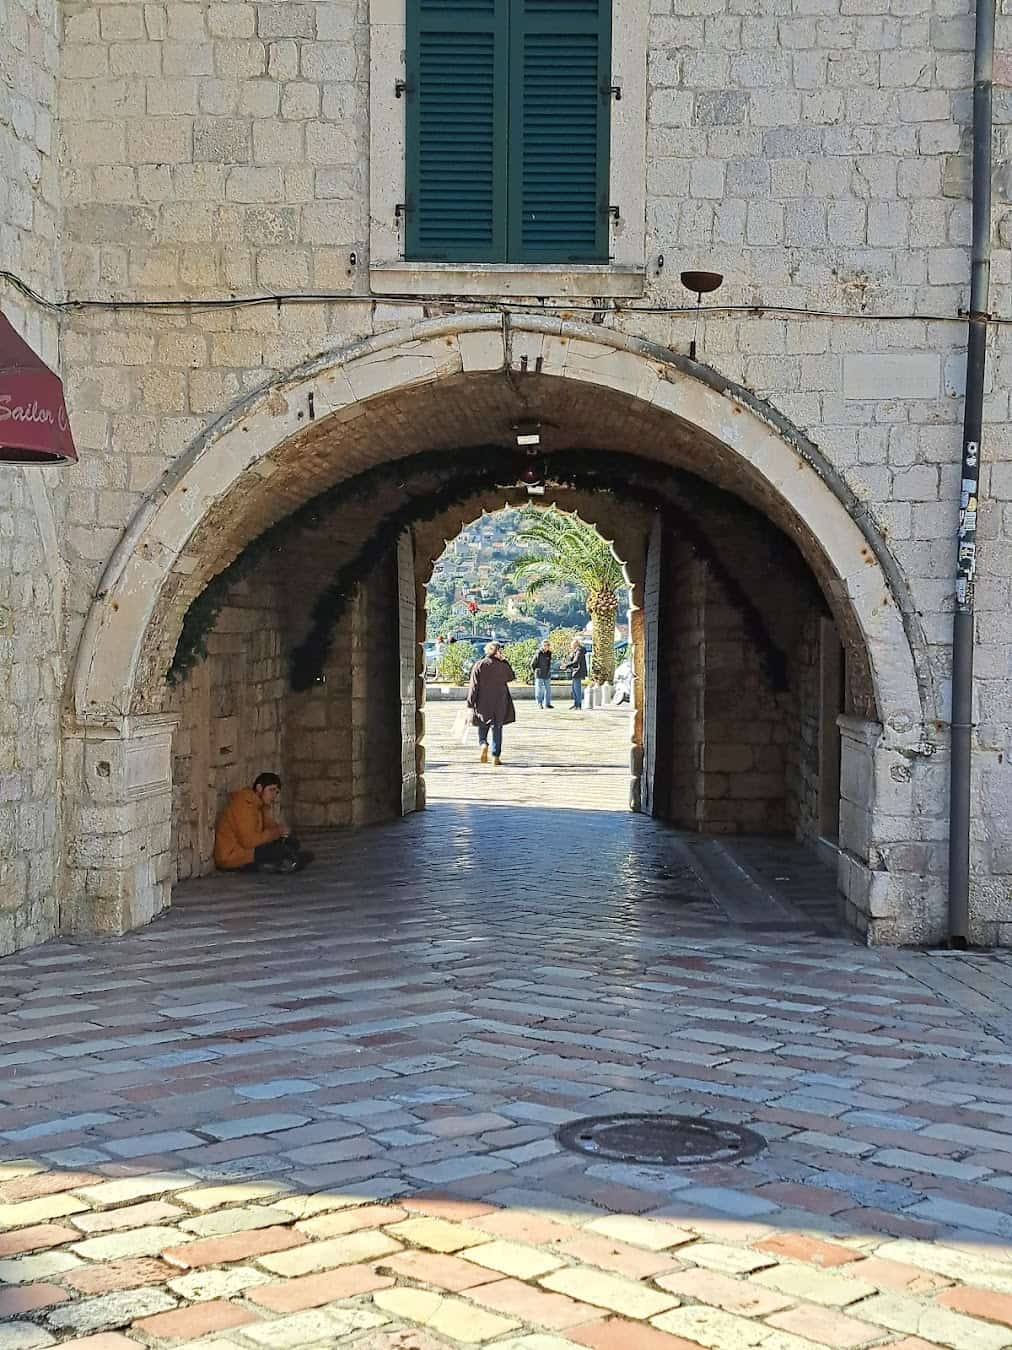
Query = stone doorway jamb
x=118 y=781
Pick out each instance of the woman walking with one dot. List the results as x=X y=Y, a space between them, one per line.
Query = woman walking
x=489 y=699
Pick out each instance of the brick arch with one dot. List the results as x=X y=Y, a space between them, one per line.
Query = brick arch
x=287 y=442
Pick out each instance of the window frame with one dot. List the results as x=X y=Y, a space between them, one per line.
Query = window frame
x=412 y=149
x=392 y=274
x=515 y=162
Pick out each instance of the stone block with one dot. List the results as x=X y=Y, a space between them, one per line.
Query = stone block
x=300 y=101
x=329 y=61
x=277 y=142
x=159 y=140
x=255 y=186
x=724 y=108
x=240 y=60
x=671 y=108
x=286 y=20
x=328 y=145
x=222 y=140
x=913 y=375
x=188 y=58
x=231 y=20
x=283 y=60
x=135 y=58
x=85 y=61
x=95 y=143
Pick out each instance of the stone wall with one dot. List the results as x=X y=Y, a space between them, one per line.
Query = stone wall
x=741 y=771
x=730 y=729
x=30 y=676
x=744 y=757
x=344 y=753
x=232 y=715
x=30 y=204
x=337 y=746
x=117 y=796
x=818 y=159
x=804 y=741
x=32 y=661
x=374 y=656
x=411 y=678
x=320 y=741
x=682 y=685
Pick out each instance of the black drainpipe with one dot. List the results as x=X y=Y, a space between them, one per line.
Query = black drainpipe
x=961 y=725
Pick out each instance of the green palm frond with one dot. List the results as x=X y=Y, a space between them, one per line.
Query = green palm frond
x=538 y=584
x=568 y=551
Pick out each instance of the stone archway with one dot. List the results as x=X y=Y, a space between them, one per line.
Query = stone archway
x=624 y=528
x=236 y=480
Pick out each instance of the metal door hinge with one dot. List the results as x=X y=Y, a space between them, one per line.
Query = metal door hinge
x=401 y=88
x=615 y=213
x=613 y=91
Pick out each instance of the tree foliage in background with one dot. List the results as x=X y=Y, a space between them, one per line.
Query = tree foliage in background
x=559 y=607
x=439 y=618
x=476 y=565
x=520 y=655
x=560 y=640
x=455 y=662
x=563 y=549
x=518 y=629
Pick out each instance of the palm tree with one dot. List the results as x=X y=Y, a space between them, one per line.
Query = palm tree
x=570 y=552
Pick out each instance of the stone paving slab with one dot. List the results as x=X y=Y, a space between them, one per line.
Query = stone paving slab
x=322 y=1112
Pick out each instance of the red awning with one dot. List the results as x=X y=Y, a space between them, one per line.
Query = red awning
x=34 y=427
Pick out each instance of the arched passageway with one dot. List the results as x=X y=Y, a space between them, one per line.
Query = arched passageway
x=558 y=756
x=343 y=467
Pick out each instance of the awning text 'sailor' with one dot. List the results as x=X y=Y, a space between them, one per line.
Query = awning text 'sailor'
x=34 y=427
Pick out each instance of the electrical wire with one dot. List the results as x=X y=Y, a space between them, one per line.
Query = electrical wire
x=756 y=310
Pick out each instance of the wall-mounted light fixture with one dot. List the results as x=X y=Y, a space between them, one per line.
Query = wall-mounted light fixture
x=527 y=432
x=701 y=283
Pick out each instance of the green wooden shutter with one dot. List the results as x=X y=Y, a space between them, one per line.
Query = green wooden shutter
x=457 y=111
x=560 y=71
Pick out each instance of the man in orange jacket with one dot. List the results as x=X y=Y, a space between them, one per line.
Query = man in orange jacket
x=247 y=835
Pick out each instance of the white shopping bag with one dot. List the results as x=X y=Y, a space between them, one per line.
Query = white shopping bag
x=462 y=725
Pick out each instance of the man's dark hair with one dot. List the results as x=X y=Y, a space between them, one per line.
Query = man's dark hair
x=266 y=780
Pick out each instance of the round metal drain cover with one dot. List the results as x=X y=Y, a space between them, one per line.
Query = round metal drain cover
x=665 y=1141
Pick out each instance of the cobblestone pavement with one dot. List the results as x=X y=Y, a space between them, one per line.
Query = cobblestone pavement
x=321 y=1110
x=553 y=758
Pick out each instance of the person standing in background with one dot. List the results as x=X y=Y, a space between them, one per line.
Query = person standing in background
x=541 y=667
x=575 y=666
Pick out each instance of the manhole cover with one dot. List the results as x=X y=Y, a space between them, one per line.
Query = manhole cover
x=667 y=1141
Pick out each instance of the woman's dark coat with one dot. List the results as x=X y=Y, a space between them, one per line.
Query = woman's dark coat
x=487 y=694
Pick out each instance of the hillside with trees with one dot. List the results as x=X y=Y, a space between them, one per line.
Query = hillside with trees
x=477 y=569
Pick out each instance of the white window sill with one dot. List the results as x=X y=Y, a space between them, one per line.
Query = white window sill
x=587 y=281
